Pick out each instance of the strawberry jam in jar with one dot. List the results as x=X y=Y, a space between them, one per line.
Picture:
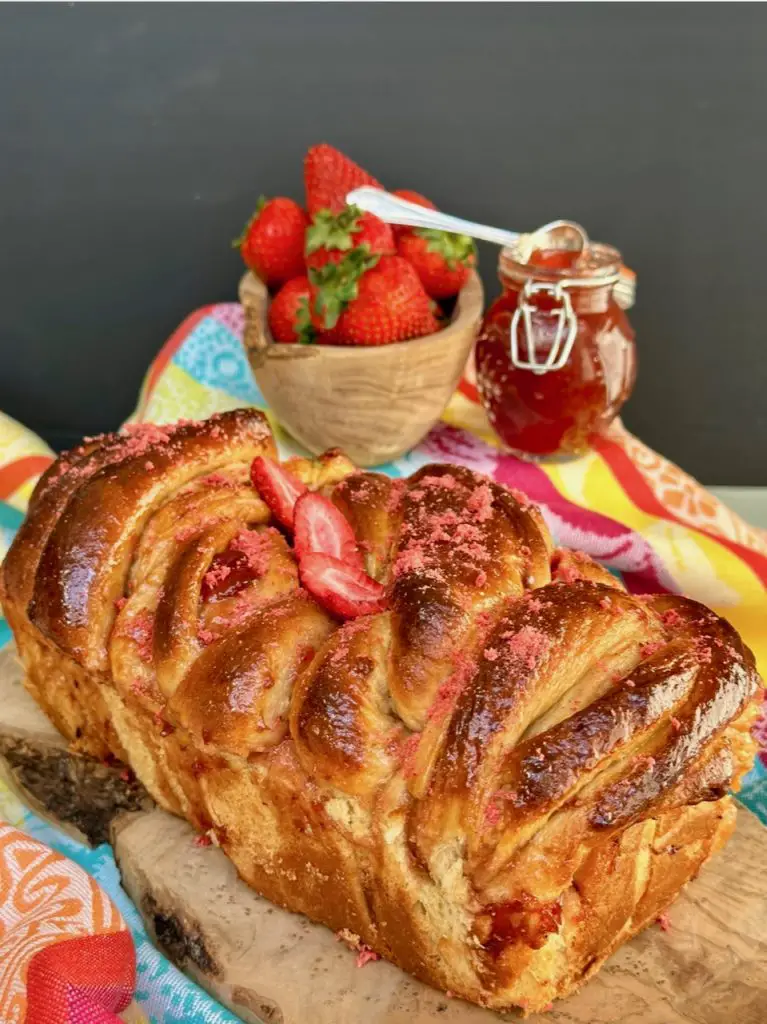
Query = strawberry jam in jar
x=555 y=357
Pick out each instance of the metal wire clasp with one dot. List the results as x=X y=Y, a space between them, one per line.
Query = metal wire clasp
x=566 y=329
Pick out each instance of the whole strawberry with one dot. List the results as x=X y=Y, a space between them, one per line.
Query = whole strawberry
x=332 y=235
x=411 y=197
x=442 y=260
x=329 y=176
x=272 y=243
x=390 y=305
x=333 y=287
x=288 y=316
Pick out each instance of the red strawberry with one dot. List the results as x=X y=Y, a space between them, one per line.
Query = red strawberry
x=289 y=319
x=279 y=489
x=272 y=243
x=441 y=260
x=332 y=235
x=412 y=197
x=390 y=305
x=320 y=528
x=329 y=176
x=344 y=590
x=333 y=287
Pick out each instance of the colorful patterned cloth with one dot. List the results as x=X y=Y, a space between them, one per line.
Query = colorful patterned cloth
x=625 y=505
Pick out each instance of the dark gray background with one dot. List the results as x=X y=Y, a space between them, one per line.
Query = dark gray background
x=136 y=138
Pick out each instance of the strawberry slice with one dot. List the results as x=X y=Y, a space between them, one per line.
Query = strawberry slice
x=320 y=528
x=343 y=589
x=279 y=489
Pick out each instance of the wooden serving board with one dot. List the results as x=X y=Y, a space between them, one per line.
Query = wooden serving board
x=268 y=965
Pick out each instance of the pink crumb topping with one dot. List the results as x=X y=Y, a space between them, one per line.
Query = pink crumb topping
x=520 y=497
x=446 y=481
x=646 y=760
x=120 y=603
x=535 y=604
x=492 y=813
x=703 y=650
x=141 y=630
x=647 y=650
x=217 y=480
x=213 y=577
x=474 y=551
x=343 y=639
x=257 y=547
x=187 y=532
x=481 y=579
x=527 y=646
x=491 y=654
x=409 y=560
x=366 y=956
x=450 y=690
x=203 y=840
x=676 y=724
x=407 y=755
x=606 y=603
x=480 y=503
x=206 y=636
x=148 y=465
x=664 y=922
x=671 y=618
x=395 y=495
x=566 y=573
x=137 y=438
x=467 y=532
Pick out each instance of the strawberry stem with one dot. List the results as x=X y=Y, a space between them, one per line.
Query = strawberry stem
x=306 y=333
x=454 y=249
x=333 y=230
x=337 y=284
x=238 y=242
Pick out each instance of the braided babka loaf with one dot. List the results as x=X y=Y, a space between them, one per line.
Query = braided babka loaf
x=493 y=781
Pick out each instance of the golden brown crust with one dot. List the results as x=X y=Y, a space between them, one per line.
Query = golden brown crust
x=493 y=783
x=87 y=555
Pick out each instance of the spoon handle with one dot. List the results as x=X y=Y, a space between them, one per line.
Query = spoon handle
x=394 y=210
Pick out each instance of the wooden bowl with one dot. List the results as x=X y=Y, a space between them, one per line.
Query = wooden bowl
x=375 y=403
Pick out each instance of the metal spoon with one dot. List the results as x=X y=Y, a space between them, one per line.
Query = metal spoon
x=394 y=210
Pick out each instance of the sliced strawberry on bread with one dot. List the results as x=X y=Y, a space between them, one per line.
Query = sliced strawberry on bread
x=344 y=590
x=279 y=489
x=320 y=528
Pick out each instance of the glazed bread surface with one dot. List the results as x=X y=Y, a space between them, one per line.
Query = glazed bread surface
x=493 y=783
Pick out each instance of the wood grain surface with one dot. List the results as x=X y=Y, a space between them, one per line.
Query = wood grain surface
x=269 y=965
x=374 y=402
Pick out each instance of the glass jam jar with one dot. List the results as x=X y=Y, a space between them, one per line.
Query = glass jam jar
x=555 y=357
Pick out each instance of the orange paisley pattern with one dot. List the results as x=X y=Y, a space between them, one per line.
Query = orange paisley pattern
x=44 y=899
x=684 y=497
